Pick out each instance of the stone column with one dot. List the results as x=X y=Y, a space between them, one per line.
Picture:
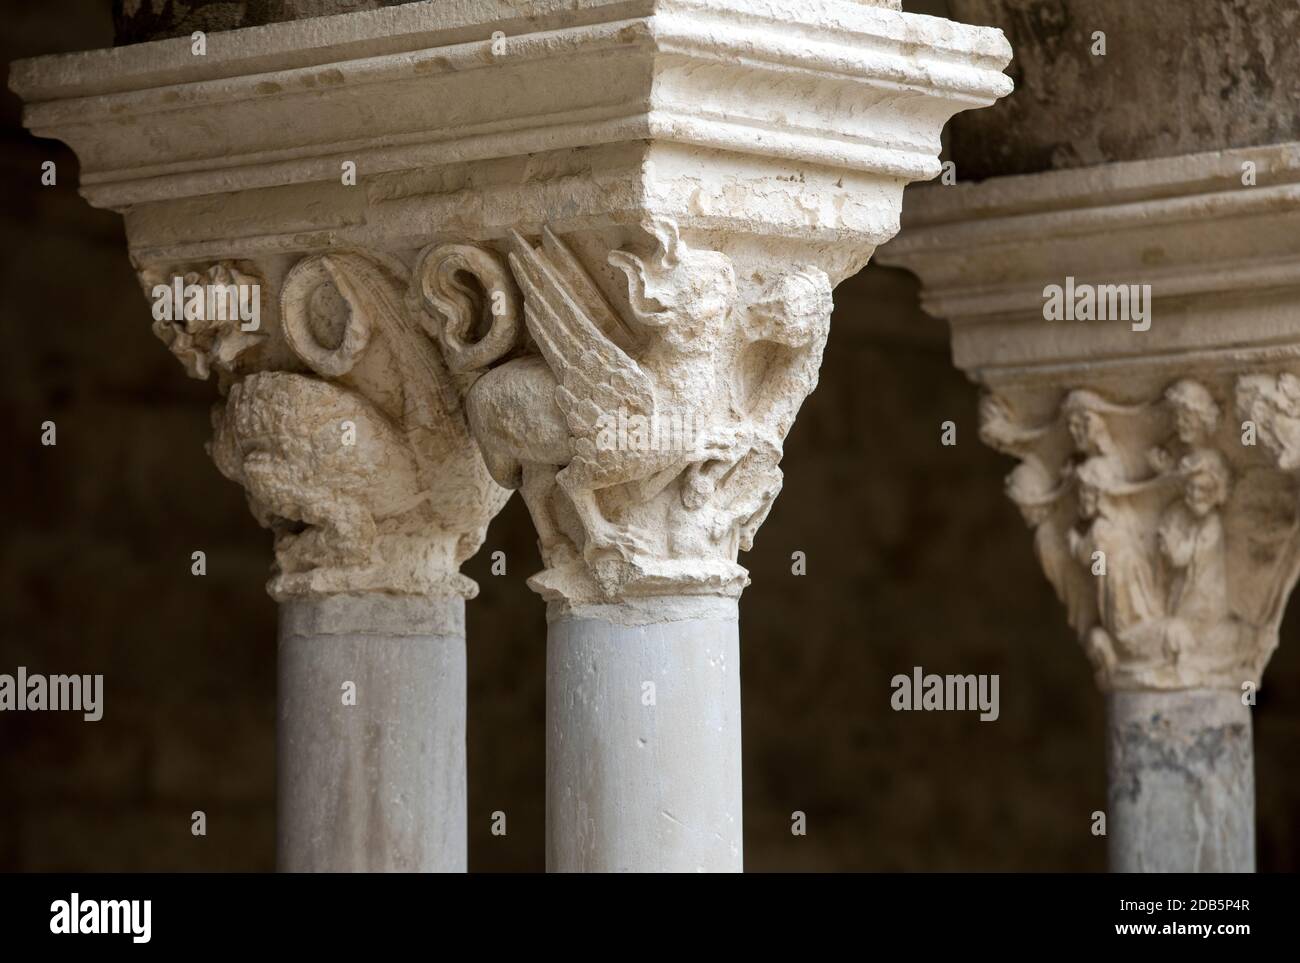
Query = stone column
x=368 y=478
x=640 y=408
x=643 y=738
x=341 y=424
x=610 y=236
x=644 y=432
x=1181 y=769
x=375 y=782
x=1133 y=328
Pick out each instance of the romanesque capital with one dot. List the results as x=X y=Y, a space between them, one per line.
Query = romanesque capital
x=1133 y=328
x=606 y=233
x=1169 y=540
x=338 y=418
x=638 y=397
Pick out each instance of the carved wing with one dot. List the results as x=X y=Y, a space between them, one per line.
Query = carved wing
x=568 y=317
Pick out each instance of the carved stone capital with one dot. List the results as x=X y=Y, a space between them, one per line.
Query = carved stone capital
x=638 y=397
x=1156 y=418
x=1170 y=540
x=340 y=421
x=655 y=196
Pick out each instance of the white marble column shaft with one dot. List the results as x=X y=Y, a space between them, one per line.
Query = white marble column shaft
x=643 y=767
x=370 y=741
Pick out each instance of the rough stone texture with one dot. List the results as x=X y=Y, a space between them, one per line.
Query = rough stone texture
x=682 y=276
x=363 y=468
x=637 y=787
x=645 y=434
x=1170 y=547
x=1178 y=78
x=729 y=191
x=915 y=557
x=902 y=572
x=136 y=21
x=374 y=783
x=1182 y=782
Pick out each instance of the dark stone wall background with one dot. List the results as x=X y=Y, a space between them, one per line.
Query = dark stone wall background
x=914 y=558
x=135 y=21
x=1178 y=77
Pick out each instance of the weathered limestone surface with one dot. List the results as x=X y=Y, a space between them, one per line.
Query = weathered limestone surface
x=1182 y=782
x=352 y=450
x=901 y=807
x=644 y=438
x=601 y=240
x=371 y=735
x=1178 y=77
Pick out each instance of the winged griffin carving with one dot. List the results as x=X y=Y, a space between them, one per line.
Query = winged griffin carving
x=642 y=421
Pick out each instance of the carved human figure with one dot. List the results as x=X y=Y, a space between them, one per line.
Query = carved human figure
x=1193 y=545
x=1190 y=537
x=1111 y=547
x=1084 y=414
x=1111 y=540
x=1043 y=505
x=1195 y=416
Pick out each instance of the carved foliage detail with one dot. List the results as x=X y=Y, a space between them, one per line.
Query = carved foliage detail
x=204 y=330
x=1272 y=404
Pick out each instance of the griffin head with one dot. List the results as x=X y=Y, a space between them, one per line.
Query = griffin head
x=684 y=294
